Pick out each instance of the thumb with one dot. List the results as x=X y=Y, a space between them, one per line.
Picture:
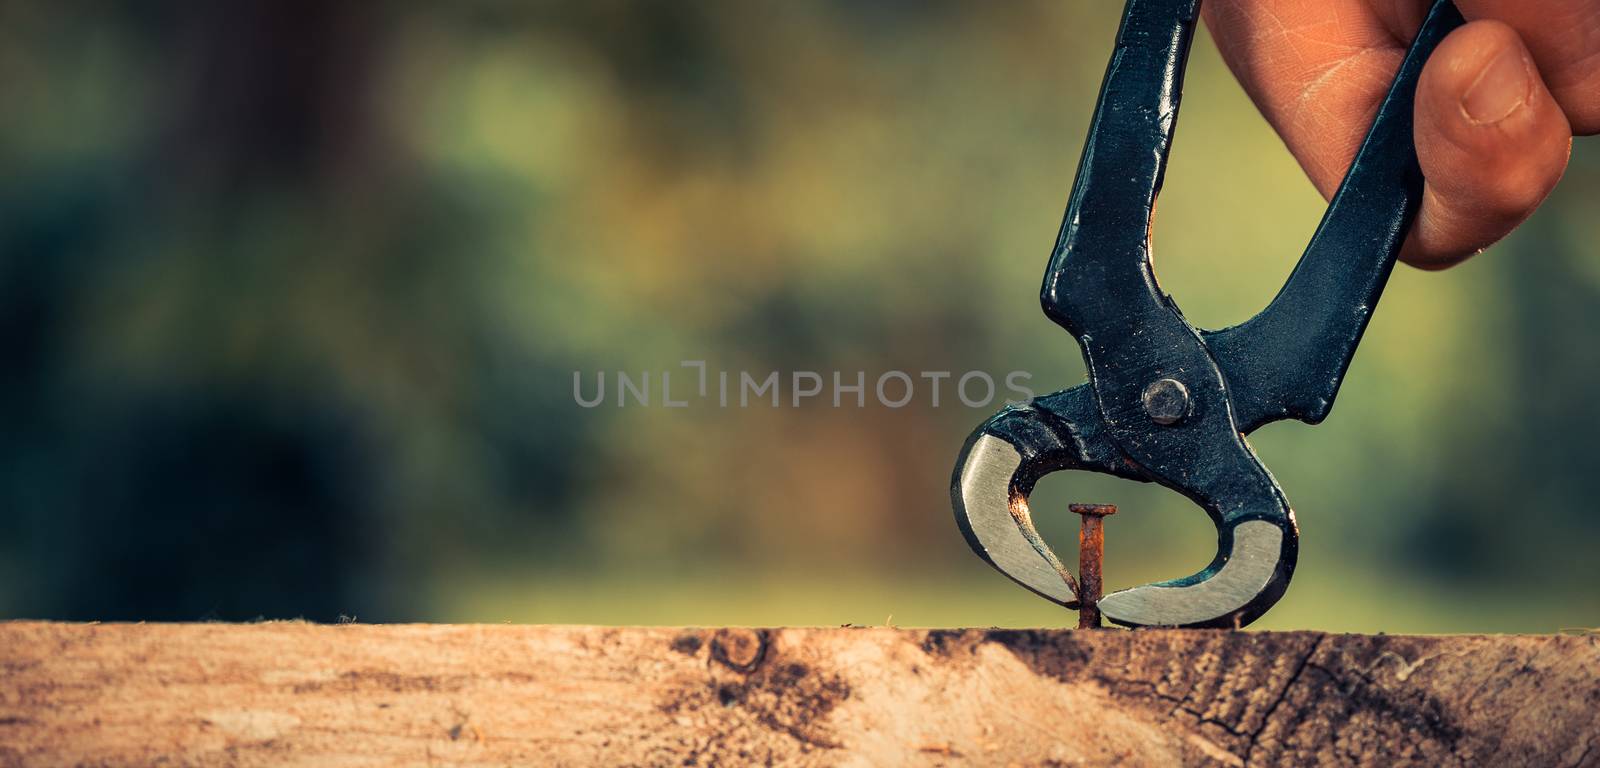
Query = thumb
x=1491 y=141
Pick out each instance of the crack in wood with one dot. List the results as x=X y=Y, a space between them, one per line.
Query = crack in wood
x=1266 y=719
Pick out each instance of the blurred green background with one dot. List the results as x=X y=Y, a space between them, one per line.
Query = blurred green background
x=292 y=295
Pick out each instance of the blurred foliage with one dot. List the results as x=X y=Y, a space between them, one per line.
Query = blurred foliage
x=291 y=295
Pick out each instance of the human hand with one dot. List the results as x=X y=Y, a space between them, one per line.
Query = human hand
x=1497 y=104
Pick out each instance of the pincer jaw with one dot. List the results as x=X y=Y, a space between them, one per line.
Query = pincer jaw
x=1246 y=579
x=993 y=515
x=1257 y=541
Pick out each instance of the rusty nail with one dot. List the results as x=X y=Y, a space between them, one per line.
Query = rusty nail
x=1091 y=548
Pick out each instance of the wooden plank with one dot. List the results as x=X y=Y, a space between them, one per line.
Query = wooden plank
x=357 y=695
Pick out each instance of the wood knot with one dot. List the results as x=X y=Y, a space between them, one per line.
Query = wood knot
x=687 y=643
x=741 y=650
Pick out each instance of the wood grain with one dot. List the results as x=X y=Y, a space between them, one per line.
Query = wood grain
x=358 y=695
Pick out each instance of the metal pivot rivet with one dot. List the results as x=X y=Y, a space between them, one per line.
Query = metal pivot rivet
x=1091 y=550
x=1166 y=401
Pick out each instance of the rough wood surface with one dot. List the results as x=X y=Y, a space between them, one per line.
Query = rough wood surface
x=301 y=694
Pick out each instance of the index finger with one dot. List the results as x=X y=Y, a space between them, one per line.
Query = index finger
x=1316 y=70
